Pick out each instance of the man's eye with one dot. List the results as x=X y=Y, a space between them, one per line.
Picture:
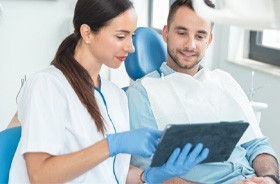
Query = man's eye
x=181 y=33
x=200 y=37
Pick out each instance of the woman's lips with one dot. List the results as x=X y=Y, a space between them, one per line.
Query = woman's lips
x=122 y=58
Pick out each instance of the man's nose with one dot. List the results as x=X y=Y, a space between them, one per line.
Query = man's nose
x=190 y=43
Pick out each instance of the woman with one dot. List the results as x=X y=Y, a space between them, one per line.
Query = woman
x=74 y=123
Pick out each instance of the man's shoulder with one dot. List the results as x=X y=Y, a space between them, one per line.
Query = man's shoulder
x=222 y=75
x=137 y=83
x=221 y=72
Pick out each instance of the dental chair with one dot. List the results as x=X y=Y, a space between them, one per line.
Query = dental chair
x=9 y=139
x=150 y=53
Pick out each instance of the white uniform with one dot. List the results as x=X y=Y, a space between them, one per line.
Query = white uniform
x=55 y=121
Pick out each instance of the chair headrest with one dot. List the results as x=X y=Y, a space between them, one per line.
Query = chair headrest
x=150 y=53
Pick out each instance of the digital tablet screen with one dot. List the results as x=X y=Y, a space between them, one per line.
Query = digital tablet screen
x=221 y=138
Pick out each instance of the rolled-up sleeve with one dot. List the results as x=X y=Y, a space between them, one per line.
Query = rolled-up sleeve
x=257 y=147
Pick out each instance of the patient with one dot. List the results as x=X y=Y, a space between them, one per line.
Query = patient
x=182 y=90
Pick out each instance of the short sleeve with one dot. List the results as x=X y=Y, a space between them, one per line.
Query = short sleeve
x=41 y=111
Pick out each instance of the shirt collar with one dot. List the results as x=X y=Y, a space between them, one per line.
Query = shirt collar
x=166 y=70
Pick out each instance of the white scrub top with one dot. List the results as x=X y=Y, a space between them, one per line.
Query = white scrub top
x=55 y=121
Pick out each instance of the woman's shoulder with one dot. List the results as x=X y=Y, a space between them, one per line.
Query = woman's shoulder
x=49 y=74
x=48 y=78
x=47 y=83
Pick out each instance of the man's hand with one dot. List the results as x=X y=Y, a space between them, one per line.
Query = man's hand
x=252 y=180
x=257 y=180
x=177 y=181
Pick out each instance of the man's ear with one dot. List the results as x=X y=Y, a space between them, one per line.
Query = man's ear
x=164 y=33
x=210 y=39
x=85 y=33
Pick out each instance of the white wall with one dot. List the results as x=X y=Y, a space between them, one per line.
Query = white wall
x=30 y=33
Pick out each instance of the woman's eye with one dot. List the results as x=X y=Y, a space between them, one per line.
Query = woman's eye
x=121 y=37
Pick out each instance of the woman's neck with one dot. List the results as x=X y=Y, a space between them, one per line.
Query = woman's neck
x=93 y=67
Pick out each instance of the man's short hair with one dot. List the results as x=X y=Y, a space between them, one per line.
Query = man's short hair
x=188 y=3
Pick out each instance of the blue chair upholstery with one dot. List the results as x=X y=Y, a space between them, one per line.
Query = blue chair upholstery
x=9 y=139
x=150 y=53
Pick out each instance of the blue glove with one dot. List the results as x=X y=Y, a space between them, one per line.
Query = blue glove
x=141 y=142
x=179 y=163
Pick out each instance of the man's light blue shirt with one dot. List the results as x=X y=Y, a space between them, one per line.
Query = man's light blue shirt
x=238 y=166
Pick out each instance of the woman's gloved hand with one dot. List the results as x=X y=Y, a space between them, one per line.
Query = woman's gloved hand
x=141 y=142
x=179 y=163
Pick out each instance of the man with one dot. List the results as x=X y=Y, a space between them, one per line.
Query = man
x=182 y=90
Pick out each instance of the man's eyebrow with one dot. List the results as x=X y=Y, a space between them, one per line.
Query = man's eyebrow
x=181 y=28
x=202 y=32
x=185 y=29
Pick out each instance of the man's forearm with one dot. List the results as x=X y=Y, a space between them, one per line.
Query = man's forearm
x=265 y=164
x=177 y=181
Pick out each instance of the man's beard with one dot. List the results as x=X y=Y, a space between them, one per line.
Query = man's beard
x=176 y=60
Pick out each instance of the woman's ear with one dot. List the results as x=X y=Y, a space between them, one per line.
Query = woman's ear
x=85 y=33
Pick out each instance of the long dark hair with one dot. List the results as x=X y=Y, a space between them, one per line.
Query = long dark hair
x=96 y=14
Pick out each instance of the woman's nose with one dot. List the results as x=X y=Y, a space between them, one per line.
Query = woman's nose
x=129 y=47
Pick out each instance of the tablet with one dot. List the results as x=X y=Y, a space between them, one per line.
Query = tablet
x=221 y=138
